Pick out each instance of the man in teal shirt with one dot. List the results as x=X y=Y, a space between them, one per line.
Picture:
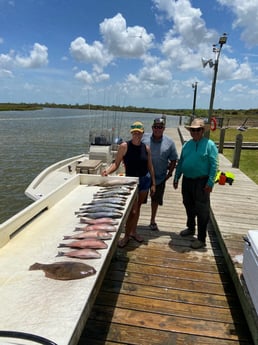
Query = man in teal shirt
x=198 y=164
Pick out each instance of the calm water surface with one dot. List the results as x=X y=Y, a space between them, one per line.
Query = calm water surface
x=32 y=140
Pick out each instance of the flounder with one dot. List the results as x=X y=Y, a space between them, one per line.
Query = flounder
x=65 y=270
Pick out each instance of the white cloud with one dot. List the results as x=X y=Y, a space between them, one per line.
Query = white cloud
x=187 y=22
x=243 y=71
x=85 y=53
x=4 y=73
x=148 y=68
x=84 y=76
x=6 y=59
x=38 y=57
x=123 y=41
x=238 y=88
x=102 y=77
x=119 y=41
x=89 y=78
x=246 y=13
x=155 y=74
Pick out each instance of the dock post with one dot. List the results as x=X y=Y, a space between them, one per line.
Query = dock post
x=222 y=139
x=237 y=151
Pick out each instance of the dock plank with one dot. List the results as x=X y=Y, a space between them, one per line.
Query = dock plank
x=163 y=292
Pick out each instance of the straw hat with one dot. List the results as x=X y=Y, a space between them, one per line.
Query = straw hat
x=198 y=123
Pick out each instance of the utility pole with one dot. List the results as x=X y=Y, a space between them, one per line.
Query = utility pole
x=215 y=65
x=194 y=86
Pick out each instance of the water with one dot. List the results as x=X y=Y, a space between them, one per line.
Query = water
x=32 y=140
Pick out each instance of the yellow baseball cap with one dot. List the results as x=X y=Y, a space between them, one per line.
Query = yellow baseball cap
x=137 y=127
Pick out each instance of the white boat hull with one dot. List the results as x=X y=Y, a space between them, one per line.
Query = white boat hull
x=30 y=302
x=57 y=174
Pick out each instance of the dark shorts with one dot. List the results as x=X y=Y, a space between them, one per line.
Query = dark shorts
x=144 y=183
x=158 y=196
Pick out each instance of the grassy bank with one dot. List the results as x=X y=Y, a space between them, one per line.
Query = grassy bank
x=18 y=106
x=249 y=158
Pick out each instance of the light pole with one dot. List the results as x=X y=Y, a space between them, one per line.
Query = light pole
x=215 y=64
x=194 y=86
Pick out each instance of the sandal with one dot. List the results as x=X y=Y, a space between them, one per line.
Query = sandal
x=137 y=238
x=153 y=227
x=123 y=242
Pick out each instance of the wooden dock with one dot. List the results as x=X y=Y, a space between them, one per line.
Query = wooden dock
x=163 y=292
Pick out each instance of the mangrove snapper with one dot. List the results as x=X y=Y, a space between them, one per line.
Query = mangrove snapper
x=86 y=243
x=96 y=227
x=102 y=220
x=99 y=234
x=86 y=253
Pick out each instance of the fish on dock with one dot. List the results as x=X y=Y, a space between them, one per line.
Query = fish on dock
x=113 y=201
x=64 y=270
x=97 y=215
x=103 y=204
x=86 y=243
x=99 y=234
x=86 y=253
x=115 y=182
x=121 y=187
x=98 y=208
x=109 y=195
x=103 y=220
x=96 y=227
x=121 y=193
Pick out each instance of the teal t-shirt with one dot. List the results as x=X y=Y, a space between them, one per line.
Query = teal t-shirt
x=198 y=158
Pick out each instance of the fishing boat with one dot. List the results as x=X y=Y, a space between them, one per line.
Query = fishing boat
x=34 y=306
x=103 y=148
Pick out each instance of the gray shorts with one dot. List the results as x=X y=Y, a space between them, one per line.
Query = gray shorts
x=159 y=193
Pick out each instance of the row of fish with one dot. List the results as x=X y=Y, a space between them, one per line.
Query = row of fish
x=98 y=220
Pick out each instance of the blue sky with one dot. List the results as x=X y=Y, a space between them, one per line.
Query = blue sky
x=144 y=53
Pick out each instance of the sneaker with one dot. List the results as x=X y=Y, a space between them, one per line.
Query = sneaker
x=187 y=232
x=198 y=244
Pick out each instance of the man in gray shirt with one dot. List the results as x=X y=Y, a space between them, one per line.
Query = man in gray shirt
x=164 y=158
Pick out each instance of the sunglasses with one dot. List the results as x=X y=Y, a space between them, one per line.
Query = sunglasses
x=158 y=127
x=137 y=127
x=195 y=129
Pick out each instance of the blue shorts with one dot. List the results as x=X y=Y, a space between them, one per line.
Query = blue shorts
x=144 y=183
